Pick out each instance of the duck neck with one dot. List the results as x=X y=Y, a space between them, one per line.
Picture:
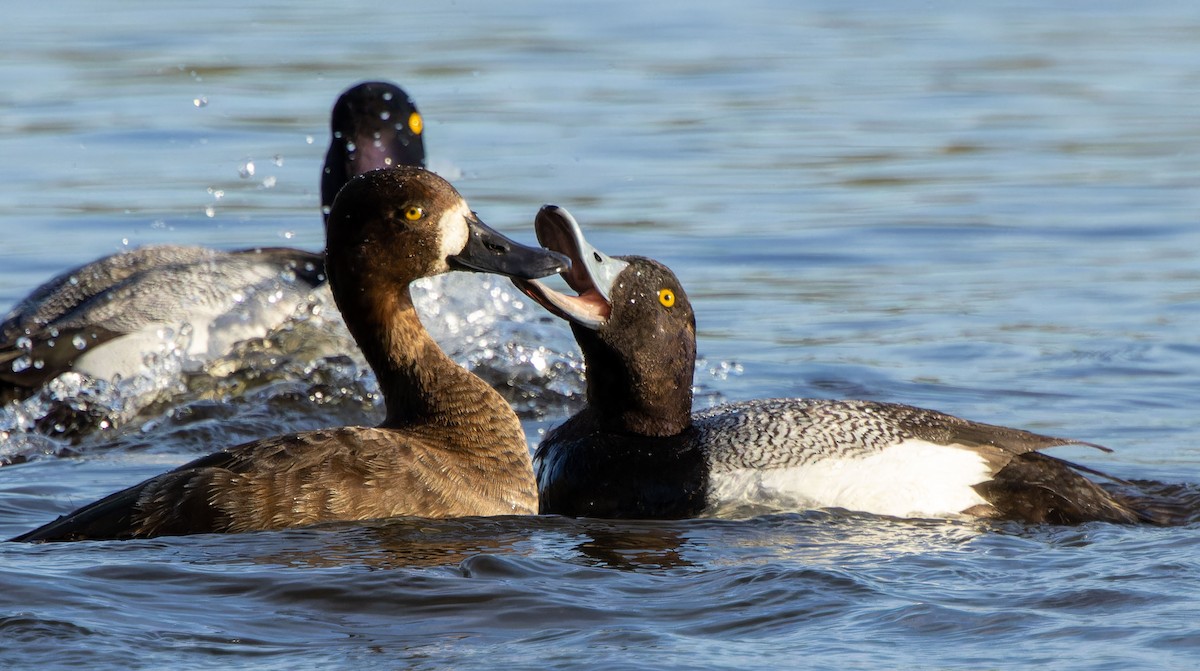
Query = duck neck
x=419 y=382
x=648 y=393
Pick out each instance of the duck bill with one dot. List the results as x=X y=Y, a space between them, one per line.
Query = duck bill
x=490 y=251
x=592 y=273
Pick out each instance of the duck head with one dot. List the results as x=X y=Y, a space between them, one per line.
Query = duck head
x=374 y=125
x=634 y=323
x=399 y=224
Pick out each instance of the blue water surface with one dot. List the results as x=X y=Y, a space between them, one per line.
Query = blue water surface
x=990 y=209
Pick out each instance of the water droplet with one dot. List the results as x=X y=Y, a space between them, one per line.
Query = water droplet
x=277 y=160
x=246 y=169
x=269 y=182
x=202 y=101
x=21 y=363
x=385 y=115
x=210 y=212
x=308 y=139
x=79 y=342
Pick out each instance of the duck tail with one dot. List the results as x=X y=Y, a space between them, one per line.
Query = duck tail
x=1038 y=488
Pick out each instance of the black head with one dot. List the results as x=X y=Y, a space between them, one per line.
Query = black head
x=399 y=224
x=634 y=324
x=375 y=125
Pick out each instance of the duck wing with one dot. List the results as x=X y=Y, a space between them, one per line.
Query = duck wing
x=1013 y=479
x=48 y=331
x=348 y=473
x=113 y=517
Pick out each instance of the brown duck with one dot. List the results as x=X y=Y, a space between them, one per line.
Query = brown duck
x=449 y=445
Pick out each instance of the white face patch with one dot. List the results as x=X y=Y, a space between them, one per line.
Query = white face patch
x=453 y=233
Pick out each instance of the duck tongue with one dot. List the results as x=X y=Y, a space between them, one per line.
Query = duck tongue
x=592 y=274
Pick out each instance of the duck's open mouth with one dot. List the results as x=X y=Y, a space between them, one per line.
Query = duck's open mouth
x=592 y=273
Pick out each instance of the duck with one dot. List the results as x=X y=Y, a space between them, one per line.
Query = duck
x=638 y=450
x=102 y=319
x=449 y=444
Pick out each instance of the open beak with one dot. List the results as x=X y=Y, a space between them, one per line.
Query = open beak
x=490 y=251
x=592 y=273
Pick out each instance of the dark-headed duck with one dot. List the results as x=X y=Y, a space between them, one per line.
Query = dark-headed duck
x=638 y=451
x=449 y=445
x=102 y=319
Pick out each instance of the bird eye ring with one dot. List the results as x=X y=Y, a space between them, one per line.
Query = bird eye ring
x=666 y=297
x=414 y=213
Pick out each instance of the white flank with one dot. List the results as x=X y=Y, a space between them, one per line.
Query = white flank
x=125 y=355
x=910 y=479
x=210 y=331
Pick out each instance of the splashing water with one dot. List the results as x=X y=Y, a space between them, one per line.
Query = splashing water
x=311 y=370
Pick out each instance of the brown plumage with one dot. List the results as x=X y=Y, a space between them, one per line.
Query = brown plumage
x=449 y=446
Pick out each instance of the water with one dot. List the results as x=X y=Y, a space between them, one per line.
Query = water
x=991 y=211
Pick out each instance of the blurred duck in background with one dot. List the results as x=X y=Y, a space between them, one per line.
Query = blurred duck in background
x=103 y=319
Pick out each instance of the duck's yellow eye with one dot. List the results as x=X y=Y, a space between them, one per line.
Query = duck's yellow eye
x=415 y=123
x=414 y=213
x=666 y=297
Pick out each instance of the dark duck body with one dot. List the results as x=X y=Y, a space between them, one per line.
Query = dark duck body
x=102 y=319
x=638 y=451
x=449 y=445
